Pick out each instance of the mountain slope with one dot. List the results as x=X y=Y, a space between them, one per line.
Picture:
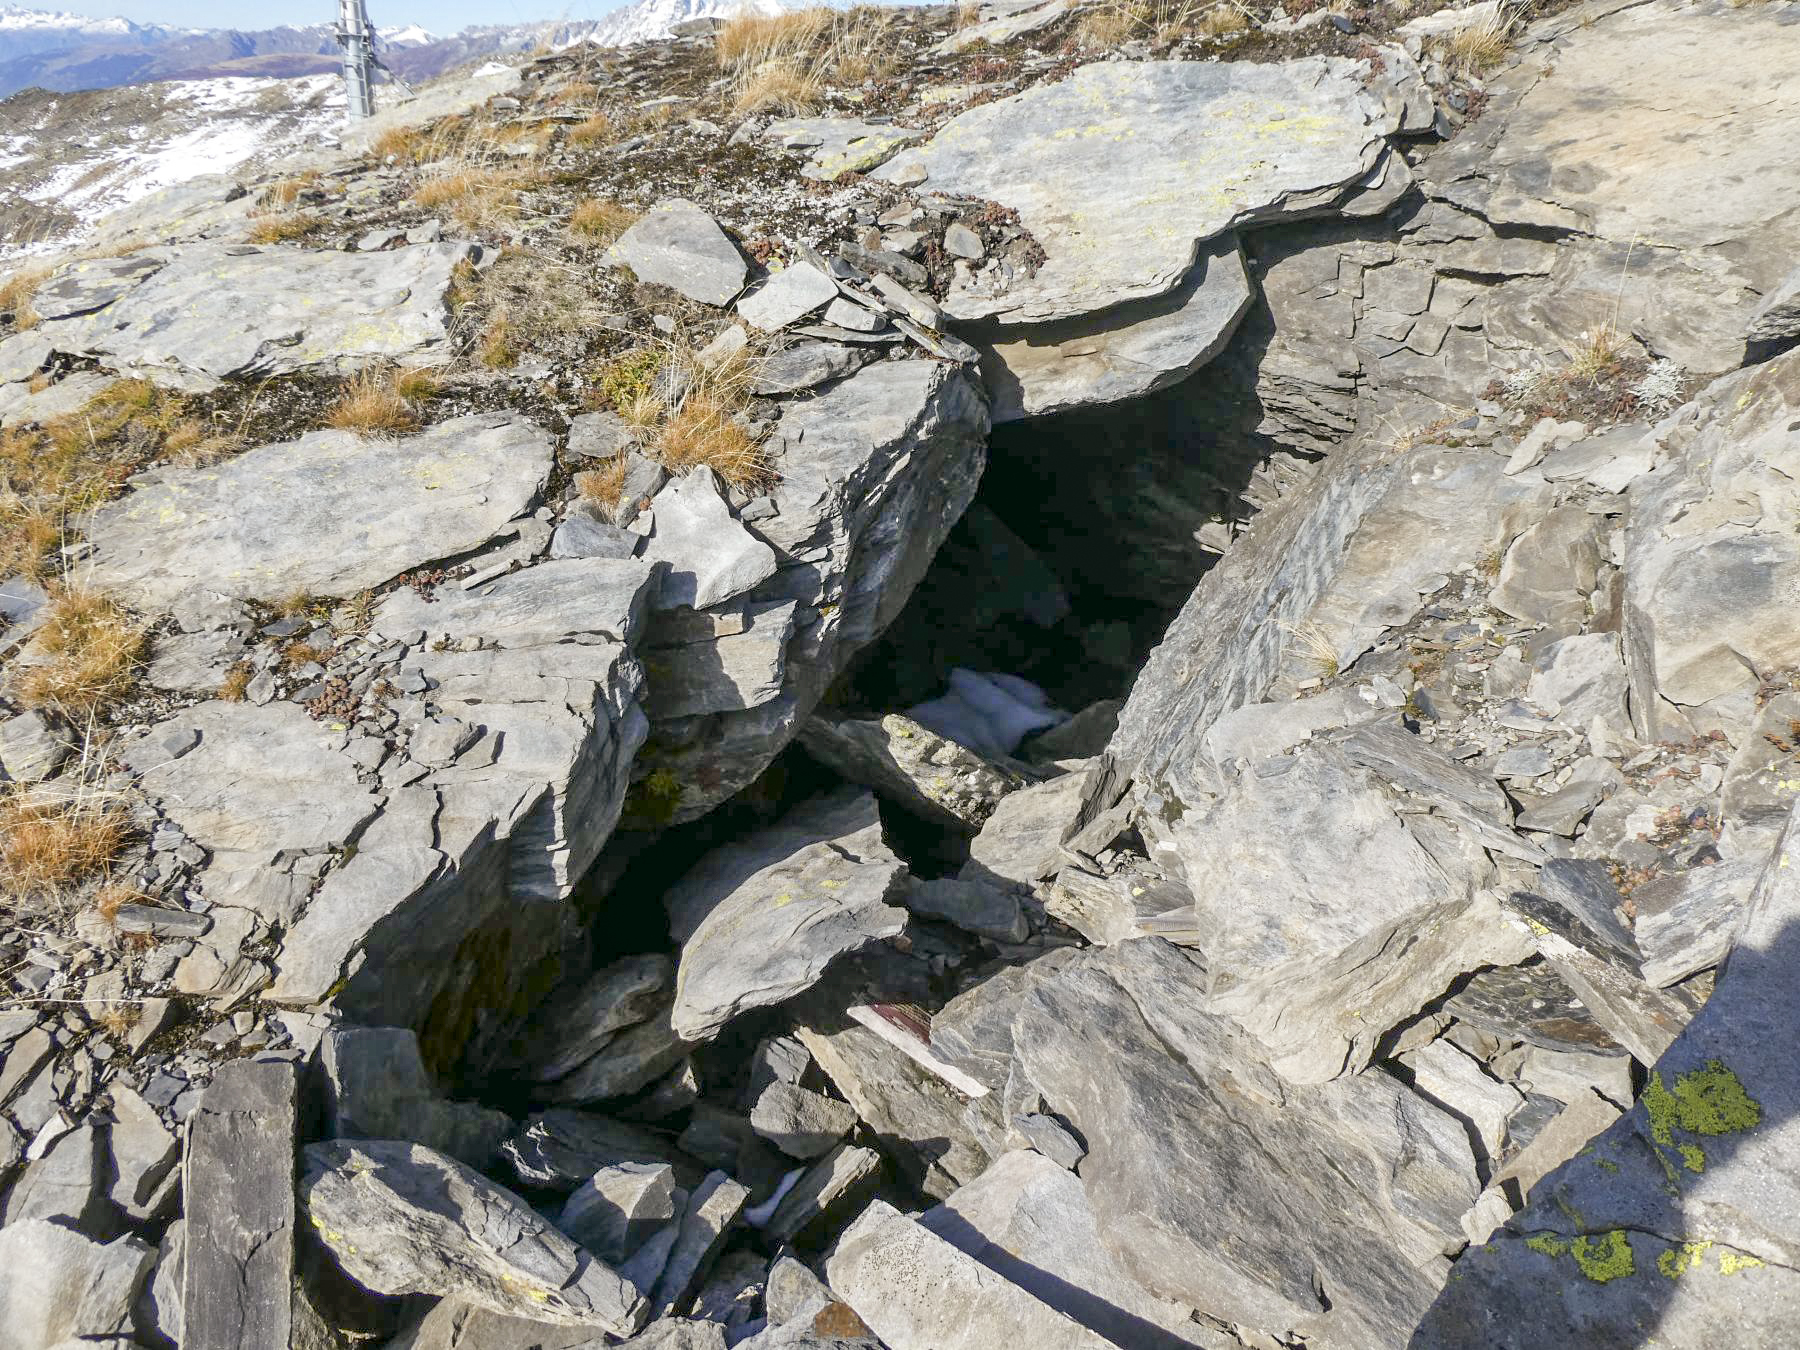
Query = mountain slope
x=67 y=52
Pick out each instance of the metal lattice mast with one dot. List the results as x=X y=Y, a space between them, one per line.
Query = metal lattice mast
x=358 y=41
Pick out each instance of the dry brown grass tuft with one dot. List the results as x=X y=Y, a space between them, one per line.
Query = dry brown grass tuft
x=597 y=130
x=372 y=405
x=477 y=198
x=968 y=14
x=604 y=484
x=1223 y=21
x=403 y=144
x=1478 y=48
x=89 y=649
x=284 y=227
x=236 y=682
x=52 y=473
x=576 y=91
x=755 y=38
x=16 y=293
x=416 y=384
x=601 y=220
x=284 y=192
x=703 y=430
x=50 y=841
x=297 y=654
x=785 y=62
x=497 y=348
x=1598 y=351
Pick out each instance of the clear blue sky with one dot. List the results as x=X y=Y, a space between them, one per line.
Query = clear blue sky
x=439 y=16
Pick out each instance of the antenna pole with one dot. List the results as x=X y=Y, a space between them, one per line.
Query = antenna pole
x=358 y=41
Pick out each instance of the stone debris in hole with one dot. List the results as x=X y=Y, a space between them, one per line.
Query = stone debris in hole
x=662 y=716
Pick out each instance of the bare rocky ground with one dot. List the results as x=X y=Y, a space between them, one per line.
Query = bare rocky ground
x=1114 y=675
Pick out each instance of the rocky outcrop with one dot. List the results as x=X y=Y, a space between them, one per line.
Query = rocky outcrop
x=197 y=315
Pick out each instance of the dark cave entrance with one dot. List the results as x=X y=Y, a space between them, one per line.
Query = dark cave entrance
x=1085 y=539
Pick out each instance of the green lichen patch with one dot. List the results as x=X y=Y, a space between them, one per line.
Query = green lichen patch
x=1736 y=1263
x=1603 y=1258
x=1708 y=1101
x=1679 y=1260
x=1548 y=1244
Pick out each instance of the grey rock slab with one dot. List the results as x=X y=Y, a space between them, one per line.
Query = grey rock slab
x=800 y=1122
x=23 y=355
x=628 y=1063
x=599 y=435
x=580 y=537
x=66 y=1183
x=759 y=920
x=1123 y=167
x=1029 y=1220
x=1320 y=955
x=710 y=556
x=19 y=406
x=874 y=472
x=1121 y=353
x=1352 y=1188
x=1533 y=1003
x=1705 y=577
x=791 y=1287
x=32 y=747
x=830 y=1188
x=62 y=1288
x=846 y=314
x=403 y=1219
x=918 y=1292
x=89 y=284
x=841 y=144
x=787 y=297
x=238 y=1200
x=712 y=1210
x=331 y=513
x=141 y=1153
x=616 y=1210
x=456 y=1324
x=924 y=1124
x=1452 y=1080
x=725 y=660
x=1685 y=922
x=1049 y=1137
x=579 y=1018
x=213 y=313
x=561 y=1149
x=987 y=910
x=376 y=1087
x=805 y=365
x=679 y=246
x=260 y=781
x=1778 y=316
x=1579 y=679
x=927 y=774
x=194 y=663
x=1021 y=842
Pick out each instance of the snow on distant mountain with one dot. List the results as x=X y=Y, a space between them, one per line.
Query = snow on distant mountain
x=649 y=19
x=67 y=159
x=66 y=52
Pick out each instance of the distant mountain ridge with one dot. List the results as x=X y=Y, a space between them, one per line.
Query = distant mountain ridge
x=67 y=52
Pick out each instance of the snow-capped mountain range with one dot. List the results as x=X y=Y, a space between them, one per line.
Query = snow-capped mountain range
x=65 y=52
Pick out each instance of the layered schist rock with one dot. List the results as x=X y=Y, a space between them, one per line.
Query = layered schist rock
x=1133 y=177
x=196 y=315
x=874 y=472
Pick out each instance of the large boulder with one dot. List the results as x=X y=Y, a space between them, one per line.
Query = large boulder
x=1121 y=169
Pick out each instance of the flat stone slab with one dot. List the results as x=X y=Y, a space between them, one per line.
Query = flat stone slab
x=1122 y=168
x=679 y=246
x=1121 y=353
x=840 y=144
x=758 y=921
x=332 y=513
x=238 y=1195
x=402 y=1219
x=211 y=312
x=711 y=557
